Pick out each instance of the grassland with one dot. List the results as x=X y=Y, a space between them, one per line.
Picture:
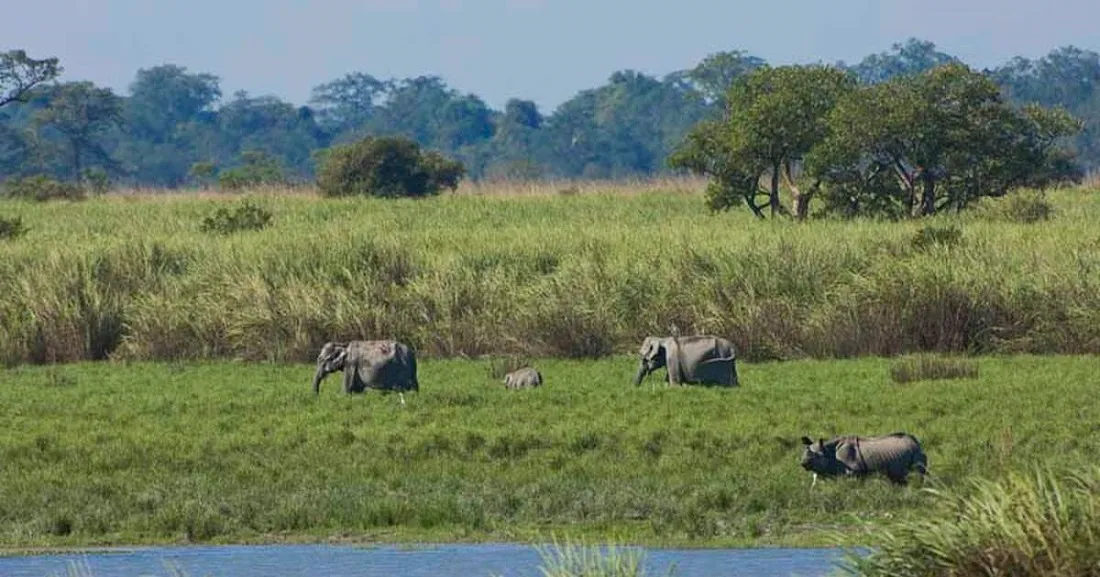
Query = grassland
x=127 y=453
x=577 y=275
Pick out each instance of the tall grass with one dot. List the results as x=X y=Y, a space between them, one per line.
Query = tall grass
x=578 y=560
x=1036 y=524
x=562 y=275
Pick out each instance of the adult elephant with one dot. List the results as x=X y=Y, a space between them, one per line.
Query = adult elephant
x=386 y=365
x=696 y=359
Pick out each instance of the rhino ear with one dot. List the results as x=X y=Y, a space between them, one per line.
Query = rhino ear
x=806 y=441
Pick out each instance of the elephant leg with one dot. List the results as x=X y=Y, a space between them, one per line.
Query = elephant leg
x=349 y=379
x=814 y=482
x=401 y=396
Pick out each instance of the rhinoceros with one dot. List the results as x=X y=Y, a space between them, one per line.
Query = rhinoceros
x=523 y=378
x=893 y=455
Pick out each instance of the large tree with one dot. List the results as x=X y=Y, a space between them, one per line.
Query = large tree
x=774 y=116
x=83 y=114
x=19 y=74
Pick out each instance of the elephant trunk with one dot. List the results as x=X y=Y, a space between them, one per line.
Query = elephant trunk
x=643 y=370
x=318 y=377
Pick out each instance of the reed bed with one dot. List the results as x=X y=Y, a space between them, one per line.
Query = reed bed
x=558 y=275
x=1026 y=524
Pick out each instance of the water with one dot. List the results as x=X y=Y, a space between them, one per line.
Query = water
x=407 y=561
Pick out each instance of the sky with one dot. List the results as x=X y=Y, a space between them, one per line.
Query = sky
x=542 y=50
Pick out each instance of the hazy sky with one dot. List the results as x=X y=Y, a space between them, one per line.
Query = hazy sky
x=544 y=50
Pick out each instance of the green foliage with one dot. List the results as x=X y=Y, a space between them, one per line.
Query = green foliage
x=12 y=227
x=19 y=74
x=257 y=168
x=928 y=367
x=192 y=451
x=246 y=216
x=388 y=167
x=203 y=173
x=82 y=114
x=43 y=188
x=1025 y=524
x=96 y=180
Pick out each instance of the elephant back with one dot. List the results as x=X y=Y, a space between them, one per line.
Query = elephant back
x=385 y=364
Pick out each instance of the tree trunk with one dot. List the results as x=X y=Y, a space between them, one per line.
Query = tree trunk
x=76 y=163
x=773 y=196
x=928 y=194
x=800 y=204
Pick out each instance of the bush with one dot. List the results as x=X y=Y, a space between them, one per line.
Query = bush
x=247 y=216
x=387 y=166
x=257 y=168
x=12 y=227
x=1022 y=207
x=932 y=235
x=43 y=188
x=1025 y=525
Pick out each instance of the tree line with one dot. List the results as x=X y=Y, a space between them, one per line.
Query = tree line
x=175 y=127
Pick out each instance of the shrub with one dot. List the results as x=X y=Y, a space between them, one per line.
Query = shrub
x=257 y=168
x=387 y=166
x=12 y=227
x=932 y=235
x=927 y=367
x=247 y=216
x=1022 y=207
x=43 y=188
x=1025 y=525
x=202 y=173
x=97 y=180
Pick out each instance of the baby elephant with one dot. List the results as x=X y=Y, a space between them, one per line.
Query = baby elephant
x=893 y=455
x=524 y=378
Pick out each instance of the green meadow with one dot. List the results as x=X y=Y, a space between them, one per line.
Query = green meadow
x=125 y=453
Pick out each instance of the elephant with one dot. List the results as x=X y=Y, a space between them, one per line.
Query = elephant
x=697 y=359
x=386 y=365
x=892 y=455
x=523 y=378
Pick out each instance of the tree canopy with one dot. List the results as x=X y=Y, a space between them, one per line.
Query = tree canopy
x=173 y=119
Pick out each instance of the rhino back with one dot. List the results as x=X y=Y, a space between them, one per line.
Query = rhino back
x=881 y=452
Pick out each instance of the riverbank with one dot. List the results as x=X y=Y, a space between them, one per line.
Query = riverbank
x=120 y=453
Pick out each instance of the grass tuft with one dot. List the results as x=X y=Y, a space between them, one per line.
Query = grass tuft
x=1033 y=524
x=929 y=367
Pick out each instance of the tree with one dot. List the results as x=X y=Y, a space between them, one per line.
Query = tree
x=944 y=138
x=386 y=166
x=19 y=74
x=776 y=115
x=349 y=102
x=82 y=114
x=904 y=59
x=163 y=97
x=714 y=75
